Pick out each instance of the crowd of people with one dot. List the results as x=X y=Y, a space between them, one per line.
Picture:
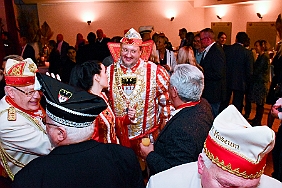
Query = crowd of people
x=131 y=112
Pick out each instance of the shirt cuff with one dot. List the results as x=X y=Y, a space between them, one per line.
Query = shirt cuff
x=280 y=115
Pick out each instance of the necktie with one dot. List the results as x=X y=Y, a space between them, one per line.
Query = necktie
x=203 y=56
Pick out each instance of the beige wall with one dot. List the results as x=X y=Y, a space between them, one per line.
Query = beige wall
x=239 y=15
x=115 y=17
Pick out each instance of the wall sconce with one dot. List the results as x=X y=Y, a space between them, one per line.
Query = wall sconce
x=259 y=15
x=218 y=17
x=172 y=18
x=89 y=22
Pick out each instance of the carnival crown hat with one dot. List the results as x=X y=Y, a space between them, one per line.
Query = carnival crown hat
x=20 y=73
x=131 y=37
x=237 y=147
x=146 y=29
x=68 y=105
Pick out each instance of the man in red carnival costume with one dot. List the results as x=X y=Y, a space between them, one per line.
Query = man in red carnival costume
x=136 y=82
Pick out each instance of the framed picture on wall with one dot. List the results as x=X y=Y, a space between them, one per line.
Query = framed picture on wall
x=262 y=31
x=225 y=27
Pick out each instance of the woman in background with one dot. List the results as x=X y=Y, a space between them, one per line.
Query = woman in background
x=186 y=56
x=260 y=80
x=80 y=41
x=91 y=76
x=166 y=57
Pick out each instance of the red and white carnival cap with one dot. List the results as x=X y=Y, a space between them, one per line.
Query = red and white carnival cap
x=20 y=73
x=132 y=37
x=237 y=147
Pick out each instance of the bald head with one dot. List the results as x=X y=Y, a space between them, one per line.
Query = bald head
x=100 y=34
x=60 y=38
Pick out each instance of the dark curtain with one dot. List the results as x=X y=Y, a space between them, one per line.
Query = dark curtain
x=11 y=25
x=2 y=52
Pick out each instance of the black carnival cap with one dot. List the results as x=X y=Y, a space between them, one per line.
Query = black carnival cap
x=69 y=106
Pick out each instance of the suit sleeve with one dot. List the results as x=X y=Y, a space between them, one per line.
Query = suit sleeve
x=249 y=65
x=128 y=166
x=217 y=64
x=180 y=148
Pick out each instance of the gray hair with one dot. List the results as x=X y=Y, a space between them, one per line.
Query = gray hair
x=188 y=81
x=76 y=135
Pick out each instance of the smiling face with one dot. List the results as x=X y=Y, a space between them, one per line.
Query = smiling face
x=222 y=39
x=161 y=43
x=27 y=102
x=130 y=54
x=258 y=47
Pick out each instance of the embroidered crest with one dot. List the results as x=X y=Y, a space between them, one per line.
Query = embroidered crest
x=64 y=95
x=128 y=83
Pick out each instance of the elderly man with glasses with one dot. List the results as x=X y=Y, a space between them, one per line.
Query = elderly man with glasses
x=22 y=132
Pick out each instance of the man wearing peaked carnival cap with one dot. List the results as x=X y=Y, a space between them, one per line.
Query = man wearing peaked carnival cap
x=145 y=32
x=23 y=136
x=69 y=106
x=135 y=81
x=146 y=29
x=234 y=155
x=77 y=160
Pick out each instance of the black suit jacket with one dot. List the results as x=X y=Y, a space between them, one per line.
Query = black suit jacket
x=239 y=67
x=182 y=138
x=64 y=51
x=214 y=67
x=29 y=53
x=86 y=164
x=102 y=49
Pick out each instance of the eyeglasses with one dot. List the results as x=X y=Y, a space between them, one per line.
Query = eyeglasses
x=124 y=50
x=204 y=38
x=27 y=93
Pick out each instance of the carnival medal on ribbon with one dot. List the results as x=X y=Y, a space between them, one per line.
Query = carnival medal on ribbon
x=128 y=84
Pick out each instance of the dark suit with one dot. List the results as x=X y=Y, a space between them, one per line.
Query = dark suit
x=182 y=138
x=239 y=69
x=86 y=164
x=87 y=52
x=54 y=60
x=64 y=51
x=214 y=68
x=102 y=49
x=29 y=53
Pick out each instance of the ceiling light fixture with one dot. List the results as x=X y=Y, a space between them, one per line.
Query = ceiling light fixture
x=259 y=15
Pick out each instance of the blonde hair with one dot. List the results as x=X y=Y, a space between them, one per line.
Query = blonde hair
x=186 y=55
x=76 y=135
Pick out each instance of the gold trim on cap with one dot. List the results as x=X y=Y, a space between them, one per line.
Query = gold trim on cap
x=229 y=168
